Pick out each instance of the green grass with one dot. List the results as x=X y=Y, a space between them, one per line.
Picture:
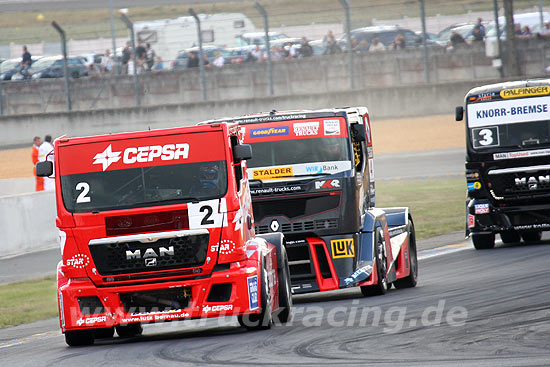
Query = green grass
x=27 y=27
x=27 y=301
x=436 y=205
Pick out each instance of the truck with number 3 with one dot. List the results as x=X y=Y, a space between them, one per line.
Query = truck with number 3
x=158 y=226
x=312 y=177
x=507 y=152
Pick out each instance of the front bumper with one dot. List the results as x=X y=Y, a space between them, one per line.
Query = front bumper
x=197 y=298
x=483 y=217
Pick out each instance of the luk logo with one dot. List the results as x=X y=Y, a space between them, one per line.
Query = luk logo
x=143 y=154
x=328 y=184
x=342 y=248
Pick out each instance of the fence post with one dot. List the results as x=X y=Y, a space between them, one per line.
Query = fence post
x=345 y=4
x=424 y=44
x=116 y=64
x=267 y=46
x=499 y=42
x=201 y=57
x=65 y=68
x=130 y=26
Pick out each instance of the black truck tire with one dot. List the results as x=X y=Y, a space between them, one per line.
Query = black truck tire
x=130 y=330
x=510 y=236
x=483 y=241
x=104 y=333
x=410 y=280
x=76 y=338
x=531 y=236
x=381 y=269
x=285 y=290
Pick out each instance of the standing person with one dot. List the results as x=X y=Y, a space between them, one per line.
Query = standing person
x=126 y=53
x=39 y=186
x=140 y=51
x=193 y=61
x=479 y=25
x=399 y=42
x=107 y=62
x=306 y=50
x=26 y=60
x=46 y=148
x=219 y=61
x=149 y=56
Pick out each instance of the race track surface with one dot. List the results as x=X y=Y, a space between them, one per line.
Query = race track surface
x=475 y=308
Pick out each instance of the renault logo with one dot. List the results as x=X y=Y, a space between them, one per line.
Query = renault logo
x=274 y=225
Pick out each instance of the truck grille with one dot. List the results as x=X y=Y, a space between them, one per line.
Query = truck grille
x=138 y=257
x=311 y=225
x=504 y=184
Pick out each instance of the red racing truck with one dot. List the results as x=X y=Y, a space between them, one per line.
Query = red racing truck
x=312 y=178
x=158 y=226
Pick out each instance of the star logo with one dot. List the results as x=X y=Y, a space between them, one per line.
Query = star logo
x=107 y=157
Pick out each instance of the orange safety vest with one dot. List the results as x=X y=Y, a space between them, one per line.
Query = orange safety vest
x=39 y=180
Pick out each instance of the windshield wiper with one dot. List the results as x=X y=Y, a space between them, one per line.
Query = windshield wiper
x=314 y=174
x=191 y=199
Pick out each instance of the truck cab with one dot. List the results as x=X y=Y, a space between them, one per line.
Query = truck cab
x=507 y=172
x=158 y=226
x=312 y=177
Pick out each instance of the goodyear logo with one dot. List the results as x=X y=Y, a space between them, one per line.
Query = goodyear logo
x=270 y=173
x=525 y=92
x=271 y=131
x=342 y=248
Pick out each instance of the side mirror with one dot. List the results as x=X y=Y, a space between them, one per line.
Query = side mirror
x=358 y=132
x=44 y=169
x=459 y=113
x=242 y=152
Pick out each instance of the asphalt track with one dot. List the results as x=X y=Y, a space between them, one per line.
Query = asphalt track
x=475 y=308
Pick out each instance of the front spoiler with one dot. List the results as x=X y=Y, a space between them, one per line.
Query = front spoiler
x=244 y=299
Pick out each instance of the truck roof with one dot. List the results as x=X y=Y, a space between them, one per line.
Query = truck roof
x=288 y=115
x=497 y=87
x=137 y=134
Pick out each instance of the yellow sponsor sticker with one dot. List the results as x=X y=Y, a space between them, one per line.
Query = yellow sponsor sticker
x=342 y=248
x=525 y=92
x=270 y=173
x=477 y=185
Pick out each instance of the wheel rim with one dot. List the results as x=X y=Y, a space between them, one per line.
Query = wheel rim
x=383 y=267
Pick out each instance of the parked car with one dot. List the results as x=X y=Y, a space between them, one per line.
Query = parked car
x=183 y=56
x=466 y=30
x=11 y=67
x=52 y=67
x=386 y=34
x=236 y=55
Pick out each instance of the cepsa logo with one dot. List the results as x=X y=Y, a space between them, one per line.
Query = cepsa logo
x=272 y=131
x=143 y=154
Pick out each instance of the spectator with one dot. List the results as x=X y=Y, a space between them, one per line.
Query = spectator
x=517 y=30
x=149 y=57
x=331 y=46
x=26 y=60
x=479 y=25
x=291 y=51
x=159 y=64
x=250 y=57
x=477 y=34
x=126 y=53
x=456 y=39
x=140 y=52
x=305 y=50
x=44 y=154
x=277 y=53
x=39 y=186
x=545 y=31
x=219 y=60
x=399 y=42
x=376 y=45
x=131 y=65
x=526 y=32
x=107 y=62
x=258 y=54
x=193 y=60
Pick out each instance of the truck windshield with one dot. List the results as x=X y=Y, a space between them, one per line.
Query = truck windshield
x=144 y=186
x=520 y=123
x=285 y=152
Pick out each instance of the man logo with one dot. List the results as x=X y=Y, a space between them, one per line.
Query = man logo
x=342 y=248
x=532 y=182
x=274 y=225
x=151 y=262
x=149 y=253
